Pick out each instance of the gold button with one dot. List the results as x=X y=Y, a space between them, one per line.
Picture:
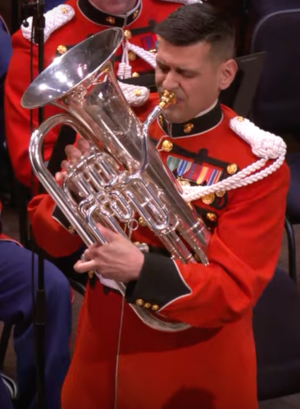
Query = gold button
x=127 y=34
x=61 y=49
x=147 y=305
x=71 y=229
x=131 y=56
x=208 y=199
x=197 y=258
x=64 y=10
x=167 y=146
x=240 y=119
x=91 y=274
x=142 y=222
x=136 y=13
x=137 y=92
x=110 y=20
x=160 y=119
x=188 y=127
x=139 y=302
x=135 y=75
x=221 y=193
x=232 y=169
x=155 y=307
x=212 y=217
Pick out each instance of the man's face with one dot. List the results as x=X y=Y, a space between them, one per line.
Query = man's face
x=192 y=74
x=116 y=7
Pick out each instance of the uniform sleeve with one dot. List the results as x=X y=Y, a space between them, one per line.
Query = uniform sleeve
x=49 y=228
x=242 y=253
x=17 y=119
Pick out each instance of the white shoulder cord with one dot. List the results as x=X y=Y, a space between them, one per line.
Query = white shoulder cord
x=54 y=19
x=264 y=145
x=124 y=69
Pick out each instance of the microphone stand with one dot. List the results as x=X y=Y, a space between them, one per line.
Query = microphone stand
x=37 y=9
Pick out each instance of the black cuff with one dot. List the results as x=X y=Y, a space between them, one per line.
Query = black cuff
x=58 y=215
x=159 y=283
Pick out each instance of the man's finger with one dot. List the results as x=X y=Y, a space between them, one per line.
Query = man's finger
x=84 y=266
x=84 y=146
x=73 y=154
x=59 y=176
x=65 y=165
x=108 y=234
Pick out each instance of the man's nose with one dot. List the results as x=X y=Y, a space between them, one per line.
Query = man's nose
x=170 y=81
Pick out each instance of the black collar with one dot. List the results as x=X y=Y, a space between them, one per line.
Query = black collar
x=195 y=126
x=110 y=20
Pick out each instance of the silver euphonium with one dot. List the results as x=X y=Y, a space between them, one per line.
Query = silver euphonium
x=123 y=179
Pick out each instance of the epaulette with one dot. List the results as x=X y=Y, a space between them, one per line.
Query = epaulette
x=54 y=19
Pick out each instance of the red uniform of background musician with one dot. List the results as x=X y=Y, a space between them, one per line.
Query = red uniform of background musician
x=119 y=361
x=137 y=16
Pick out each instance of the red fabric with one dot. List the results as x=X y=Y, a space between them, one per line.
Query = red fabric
x=211 y=365
x=18 y=77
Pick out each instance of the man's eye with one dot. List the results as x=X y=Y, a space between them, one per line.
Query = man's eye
x=187 y=75
x=163 y=69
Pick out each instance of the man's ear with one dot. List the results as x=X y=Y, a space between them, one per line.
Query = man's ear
x=228 y=70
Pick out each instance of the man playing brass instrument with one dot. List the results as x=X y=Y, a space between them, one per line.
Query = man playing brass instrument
x=119 y=362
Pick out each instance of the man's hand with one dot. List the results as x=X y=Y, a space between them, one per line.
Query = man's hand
x=118 y=260
x=73 y=156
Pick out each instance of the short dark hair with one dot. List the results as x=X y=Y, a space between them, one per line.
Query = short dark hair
x=198 y=22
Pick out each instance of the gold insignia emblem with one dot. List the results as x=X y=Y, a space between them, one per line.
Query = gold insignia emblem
x=131 y=56
x=188 y=127
x=64 y=10
x=221 y=193
x=232 y=169
x=61 y=49
x=135 y=75
x=212 y=217
x=160 y=119
x=142 y=222
x=110 y=20
x=137 y=92
x=71 y=229
x=167 y=146
x=240 y=119
x=136 y=13
x=127 y=34
x=208 y=199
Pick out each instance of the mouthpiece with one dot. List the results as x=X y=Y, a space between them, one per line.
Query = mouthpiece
x=167 y=98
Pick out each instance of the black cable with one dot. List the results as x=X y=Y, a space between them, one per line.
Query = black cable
x=39 y=302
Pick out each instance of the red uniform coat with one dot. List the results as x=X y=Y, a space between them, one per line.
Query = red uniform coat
x=119 y=361
x=18 y=76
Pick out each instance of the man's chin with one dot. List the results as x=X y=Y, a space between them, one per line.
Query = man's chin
x=174 y=117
